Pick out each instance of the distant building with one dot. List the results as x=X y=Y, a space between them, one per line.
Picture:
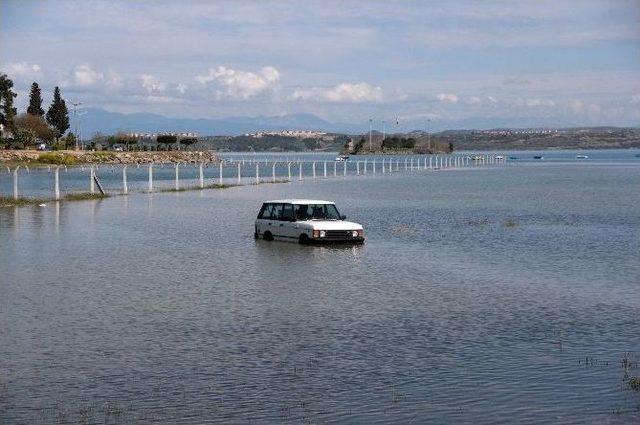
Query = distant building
x=298 y=134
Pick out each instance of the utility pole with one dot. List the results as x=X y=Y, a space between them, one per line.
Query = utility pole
x=370 y=123
x=75 y=119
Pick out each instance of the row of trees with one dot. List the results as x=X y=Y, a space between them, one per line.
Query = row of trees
x=34 y=126
x=130 y=142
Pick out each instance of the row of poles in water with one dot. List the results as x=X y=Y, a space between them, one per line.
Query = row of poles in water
x=363 y=167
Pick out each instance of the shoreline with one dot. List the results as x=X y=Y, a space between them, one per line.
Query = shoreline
x=69 y=157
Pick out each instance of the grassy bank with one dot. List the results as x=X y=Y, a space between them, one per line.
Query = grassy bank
x=6 y=201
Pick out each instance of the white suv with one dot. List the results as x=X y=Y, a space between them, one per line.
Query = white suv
x=305 y=221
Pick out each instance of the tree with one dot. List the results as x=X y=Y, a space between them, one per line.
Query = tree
x=57 y=115
x=7 y=111
x=126 y=139
x=166 y=139
x=35 y=101
x=34 y=129
x=188 y=141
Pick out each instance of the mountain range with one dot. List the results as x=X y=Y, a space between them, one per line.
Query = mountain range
x=106 y=122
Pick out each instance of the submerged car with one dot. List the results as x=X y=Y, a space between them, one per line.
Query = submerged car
x=305 y=221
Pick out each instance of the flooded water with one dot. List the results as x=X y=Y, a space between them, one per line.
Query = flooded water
x=482 y=295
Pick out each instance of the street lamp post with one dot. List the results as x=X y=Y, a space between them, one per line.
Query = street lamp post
x=75 y=119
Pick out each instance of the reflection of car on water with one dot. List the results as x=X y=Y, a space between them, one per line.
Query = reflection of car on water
x=305 y=221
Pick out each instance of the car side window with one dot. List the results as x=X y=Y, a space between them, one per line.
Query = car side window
x=287 y=212
x=267 y=209
x=276 y=213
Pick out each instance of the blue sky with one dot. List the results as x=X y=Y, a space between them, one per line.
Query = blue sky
x=562 y=62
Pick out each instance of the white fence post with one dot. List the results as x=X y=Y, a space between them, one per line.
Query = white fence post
x=374 y=166
x=357 y=168
x=150 y=188
x=289 y=170
x=257 y=173
x=273 y=172
x=201 y=175
x=15 y=183
x=325 y=169
x=177 y=178
x=313 y=165
x=92 y=183
x=125 y=188
x=335 y=169
x=239 y=175
x=300 y=170
x=344 y=168
x=56 y=184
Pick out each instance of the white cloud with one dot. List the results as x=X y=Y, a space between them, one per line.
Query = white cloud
x=540 y=103
x=341 y=93
x=182 y=88
x=84 y=76
x=474 y=100
x=241 y=85
x=23 y=70
x=635 y=99
x=580 y=107
x=448 y=97
x=151 y=84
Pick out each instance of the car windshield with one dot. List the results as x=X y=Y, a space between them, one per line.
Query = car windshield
x=316 y=212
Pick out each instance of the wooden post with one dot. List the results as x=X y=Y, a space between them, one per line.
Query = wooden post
x=201 y=175
x=150 y=187
x=15 y=183
x=56 y=184
x=125 y=189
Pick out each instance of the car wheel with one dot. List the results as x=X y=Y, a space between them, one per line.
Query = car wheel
x=303 y=239
x=267 y=236
x=255 y=235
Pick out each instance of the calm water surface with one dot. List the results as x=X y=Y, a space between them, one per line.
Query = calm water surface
x=504 y=294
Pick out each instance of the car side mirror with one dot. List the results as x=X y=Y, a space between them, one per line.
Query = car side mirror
x=343 y=217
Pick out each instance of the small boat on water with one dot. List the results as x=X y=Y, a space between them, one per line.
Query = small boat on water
x=581 y=157
x=341 y=158
x=538 y=157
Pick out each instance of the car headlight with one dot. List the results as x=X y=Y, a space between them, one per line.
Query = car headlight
x=354 y=233
x=323 y=233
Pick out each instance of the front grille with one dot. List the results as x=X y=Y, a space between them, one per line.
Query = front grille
x=338 y=234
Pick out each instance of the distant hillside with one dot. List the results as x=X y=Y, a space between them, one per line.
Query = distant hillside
x=95 y=120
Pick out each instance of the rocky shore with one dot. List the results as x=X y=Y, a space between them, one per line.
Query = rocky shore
x=104 y=157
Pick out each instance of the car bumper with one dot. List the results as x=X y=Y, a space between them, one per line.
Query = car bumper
x=329 y=241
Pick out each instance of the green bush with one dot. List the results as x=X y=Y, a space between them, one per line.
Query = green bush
x=57 y=158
